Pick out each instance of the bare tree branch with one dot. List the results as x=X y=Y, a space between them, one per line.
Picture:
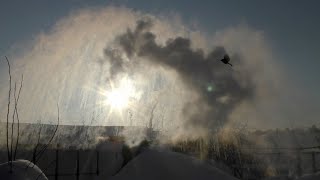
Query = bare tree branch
x=45 y=147
x=12 y=124
x=8 y=112
x=37 y=145
x=17 y=114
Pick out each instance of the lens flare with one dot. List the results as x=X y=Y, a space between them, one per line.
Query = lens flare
x=121 y=96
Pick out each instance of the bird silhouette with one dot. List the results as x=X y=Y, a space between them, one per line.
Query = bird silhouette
x=226 y=59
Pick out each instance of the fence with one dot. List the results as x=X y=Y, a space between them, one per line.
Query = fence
x=301 y=160
x=77 y=173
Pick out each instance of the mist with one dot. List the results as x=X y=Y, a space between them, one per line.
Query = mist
x=182 y=87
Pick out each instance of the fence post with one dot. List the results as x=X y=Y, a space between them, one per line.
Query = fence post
x=97 y=163
x=57 y=164
x=78 y=165
x=299 y=168
x=314 y=168
x=34 y=157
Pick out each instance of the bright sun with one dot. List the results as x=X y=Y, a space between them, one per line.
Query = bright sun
x=120 y=97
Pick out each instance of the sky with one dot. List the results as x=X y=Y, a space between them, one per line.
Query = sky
x=290 y=28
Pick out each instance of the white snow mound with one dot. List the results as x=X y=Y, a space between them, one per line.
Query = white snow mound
x=152 y=164
x=20 y=171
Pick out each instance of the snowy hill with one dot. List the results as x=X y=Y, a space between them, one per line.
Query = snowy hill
x=153 y=164
x=21 y=170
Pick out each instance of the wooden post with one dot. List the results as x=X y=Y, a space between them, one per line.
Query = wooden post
x=97 y=163
x=34 y=157
x=78 y=165
x=299 y=168
x=57 y=165
x=314 y=168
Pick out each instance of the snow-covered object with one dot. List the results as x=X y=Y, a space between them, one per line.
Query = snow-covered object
x=152 y=164
x=20 y=171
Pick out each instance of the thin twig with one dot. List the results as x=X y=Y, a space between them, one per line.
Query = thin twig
x=38 y=155
x=35 y=148
x=17 y=114
x=8 y=112
x=12 y=124
x=38 y=143
x=54 y=133
x=39 y=123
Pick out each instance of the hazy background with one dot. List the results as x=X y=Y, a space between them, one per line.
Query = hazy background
x=54 y=43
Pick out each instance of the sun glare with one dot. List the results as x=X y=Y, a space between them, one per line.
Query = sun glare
x=120 y=97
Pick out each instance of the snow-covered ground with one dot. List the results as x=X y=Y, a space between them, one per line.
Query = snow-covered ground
x=21 y=170
x=155 y=164
x=150 y=164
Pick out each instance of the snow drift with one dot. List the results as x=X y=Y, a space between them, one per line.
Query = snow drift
x=153 y=164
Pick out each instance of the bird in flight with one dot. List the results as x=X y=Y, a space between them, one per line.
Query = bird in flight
x=226 y=59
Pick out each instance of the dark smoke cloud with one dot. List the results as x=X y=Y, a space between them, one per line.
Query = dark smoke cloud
x=219 y=87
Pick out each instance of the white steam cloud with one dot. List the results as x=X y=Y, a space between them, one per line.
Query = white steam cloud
x=68 y=65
